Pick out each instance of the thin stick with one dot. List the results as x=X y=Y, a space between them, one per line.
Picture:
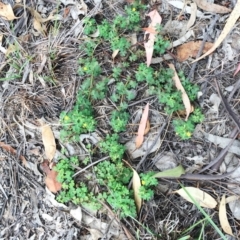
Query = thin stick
x=90 y=165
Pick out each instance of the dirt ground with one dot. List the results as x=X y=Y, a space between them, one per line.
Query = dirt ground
x=41 y=43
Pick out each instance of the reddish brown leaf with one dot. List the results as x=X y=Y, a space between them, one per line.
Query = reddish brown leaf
x=51 y=179
x=190 y=49
x=142 y=126
x=13 y=151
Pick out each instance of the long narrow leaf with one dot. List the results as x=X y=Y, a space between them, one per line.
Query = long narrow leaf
x=142 y=126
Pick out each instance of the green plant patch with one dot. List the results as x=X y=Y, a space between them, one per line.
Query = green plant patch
x=119 y=82
x=113 y=177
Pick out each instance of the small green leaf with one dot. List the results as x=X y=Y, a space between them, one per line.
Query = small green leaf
x=174 y=172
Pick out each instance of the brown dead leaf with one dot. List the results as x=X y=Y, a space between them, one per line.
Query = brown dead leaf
x=179 y=86
x=48 y=141
x=142 y=126
x=190 y=49
x=6 y=12
x=11 y=150
x=156 y=19
x=235 y=14
x=223 y=217
x=211 y=7
x=51 y=178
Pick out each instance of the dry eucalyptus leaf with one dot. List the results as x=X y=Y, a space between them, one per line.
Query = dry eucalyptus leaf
x=142 y=126
x=190 y=49
x=235 y=14
x=48 y=141
x=6 y=12
x=155 y=19
x=136 y=186
x=179 y=86
x=201 y=197
x=223 y=217
x=211 y=7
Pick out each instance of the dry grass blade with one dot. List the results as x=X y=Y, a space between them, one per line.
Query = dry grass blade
x=201 y=197
x=179 y=86
x=142 y=126
x=223 y=217
x=235 y=14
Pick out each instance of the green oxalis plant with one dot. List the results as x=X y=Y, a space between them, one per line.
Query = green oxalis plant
x=120 y=84
x=113 y=177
